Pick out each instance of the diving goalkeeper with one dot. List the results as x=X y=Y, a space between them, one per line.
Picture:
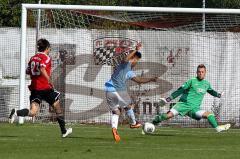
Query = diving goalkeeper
x=192 y=93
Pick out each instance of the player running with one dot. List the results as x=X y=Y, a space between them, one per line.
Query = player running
x=39 y=69
x=192 y=93
x=116 y=91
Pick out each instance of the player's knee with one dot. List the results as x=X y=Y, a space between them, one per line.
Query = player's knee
x=34 y=109
x=33 y=113
x=170 y=115
x=56 y=104
x=117 y=112
x=131 y=106
x=207 y=114
x=57 y=107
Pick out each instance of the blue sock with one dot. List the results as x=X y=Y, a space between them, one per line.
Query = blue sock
x=131 y=115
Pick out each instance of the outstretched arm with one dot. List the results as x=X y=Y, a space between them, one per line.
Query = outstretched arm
x=181 y=89
x=141 y=80
x=176 y=93
x=129 y=56
x=213 y=92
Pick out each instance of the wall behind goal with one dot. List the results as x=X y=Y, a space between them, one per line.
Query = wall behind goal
x=172 y=56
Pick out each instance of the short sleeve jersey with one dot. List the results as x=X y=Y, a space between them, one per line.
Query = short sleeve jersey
x=39 y=82
x=121 y=74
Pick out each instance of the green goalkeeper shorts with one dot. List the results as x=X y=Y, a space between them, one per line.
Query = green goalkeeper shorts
x=184 y=109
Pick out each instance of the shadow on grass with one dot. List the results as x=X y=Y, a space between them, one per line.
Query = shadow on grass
x=90 y=138
x=160 y=135
x=10 y=136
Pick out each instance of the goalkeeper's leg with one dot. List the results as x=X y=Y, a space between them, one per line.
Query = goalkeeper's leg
x=212 y=120
x=165 y=116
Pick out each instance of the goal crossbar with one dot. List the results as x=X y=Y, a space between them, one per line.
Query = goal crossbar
x=133 y=9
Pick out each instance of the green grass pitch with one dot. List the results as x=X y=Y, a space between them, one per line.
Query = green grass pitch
x=36 y=141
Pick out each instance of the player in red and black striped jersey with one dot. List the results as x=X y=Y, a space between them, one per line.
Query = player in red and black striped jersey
x=39 y=69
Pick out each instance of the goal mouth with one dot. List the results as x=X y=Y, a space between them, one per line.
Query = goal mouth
x=90 y=43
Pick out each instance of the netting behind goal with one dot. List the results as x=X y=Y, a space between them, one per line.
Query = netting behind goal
x=87 y=45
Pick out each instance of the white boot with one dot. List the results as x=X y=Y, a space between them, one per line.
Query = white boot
x=68 y=132
x=221 y=128
x=12 y=116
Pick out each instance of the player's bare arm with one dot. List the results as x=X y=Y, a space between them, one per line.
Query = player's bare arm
x=28 y=70
x=44 y=73
x=141 y=80
x=129 y=56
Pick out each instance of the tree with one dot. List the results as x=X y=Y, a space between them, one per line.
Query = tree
x=10 y=10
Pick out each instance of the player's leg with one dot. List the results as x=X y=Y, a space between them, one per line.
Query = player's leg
x=125 y=101
x=60 y=118
x=165 y=116
x=179 y=108
x=35 y=100
x=112 y=101
x=199 y=114
x=114 y=122
x=52 y=97
x=213 y=122
x=131 y=116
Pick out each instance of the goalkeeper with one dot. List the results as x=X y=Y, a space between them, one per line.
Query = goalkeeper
x=192 y=93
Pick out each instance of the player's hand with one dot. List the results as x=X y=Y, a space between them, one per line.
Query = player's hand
x=154 y=79
x=28 y=70
x=164 y=101
x=30 y=88
x=220 y=95
x=138 y=47
x=50 y=83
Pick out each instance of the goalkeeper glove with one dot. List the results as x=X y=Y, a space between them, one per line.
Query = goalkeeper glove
x=164 y=101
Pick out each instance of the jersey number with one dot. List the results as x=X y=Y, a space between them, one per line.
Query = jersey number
x=35 y=68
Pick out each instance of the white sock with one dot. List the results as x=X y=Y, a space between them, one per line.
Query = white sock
x=131 y=115
x=114 y=120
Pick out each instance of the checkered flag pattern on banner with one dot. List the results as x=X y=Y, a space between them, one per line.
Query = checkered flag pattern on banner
x=112 y=50
x=107 y=56
x=103 y=55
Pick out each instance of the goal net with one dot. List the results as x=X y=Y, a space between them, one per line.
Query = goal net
x=88 y=44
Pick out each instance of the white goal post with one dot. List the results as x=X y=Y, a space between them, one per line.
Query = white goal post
x=25 y=7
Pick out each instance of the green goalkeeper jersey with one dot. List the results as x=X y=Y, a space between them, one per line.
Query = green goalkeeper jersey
x=193 y=92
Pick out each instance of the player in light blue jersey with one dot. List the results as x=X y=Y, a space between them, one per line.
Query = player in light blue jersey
x=116 y=90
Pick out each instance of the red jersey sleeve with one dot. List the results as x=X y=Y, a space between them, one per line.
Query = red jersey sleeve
x=44 y=61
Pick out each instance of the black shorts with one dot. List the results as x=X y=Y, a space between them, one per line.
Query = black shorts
x=50 y=96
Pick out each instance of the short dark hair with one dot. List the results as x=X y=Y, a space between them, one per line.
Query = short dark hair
x=138 y=54
x=42 y=45
x=201 y=66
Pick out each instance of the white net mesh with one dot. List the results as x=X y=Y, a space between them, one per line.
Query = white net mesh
x=165 y=21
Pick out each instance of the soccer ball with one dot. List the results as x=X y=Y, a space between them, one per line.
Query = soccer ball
x=148 y=128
